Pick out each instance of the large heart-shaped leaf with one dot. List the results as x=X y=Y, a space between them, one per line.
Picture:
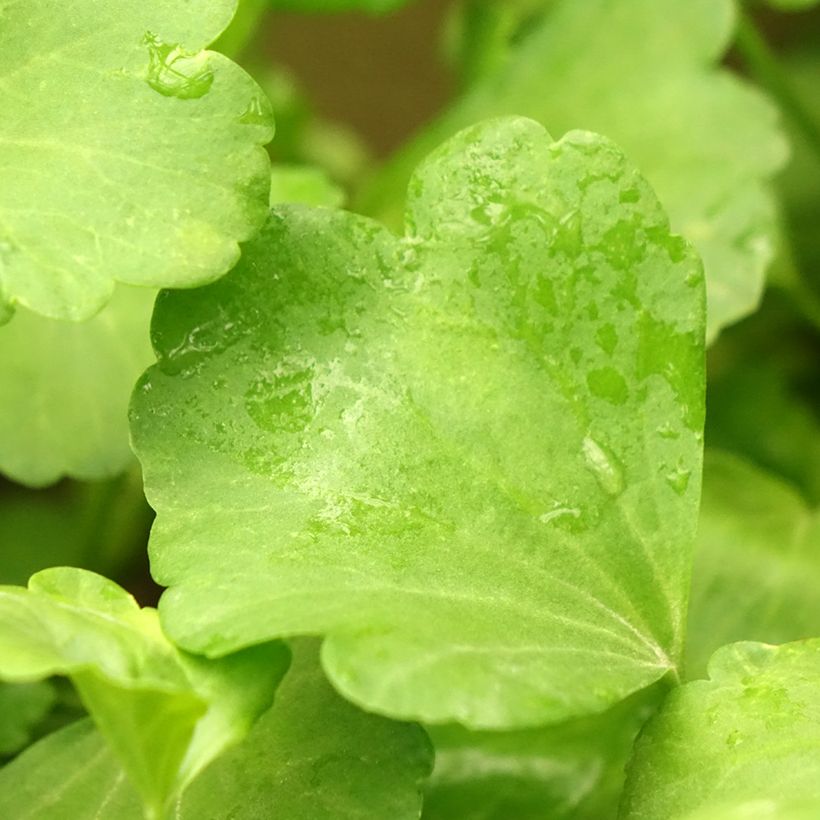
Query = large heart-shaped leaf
x=129 y=153
x=707 y=143
x=471 y=457
x=310 y=756
x=166 y=714
x=745 y=743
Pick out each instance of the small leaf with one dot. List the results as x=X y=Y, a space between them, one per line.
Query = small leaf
x=747 y=737
x=64 y=390
x=757 y=563
x=22 y=706
x=646 y=75
x=310 y=756
x=130 y=154
x=166 y=714
x=304 y=184
x=425 y=448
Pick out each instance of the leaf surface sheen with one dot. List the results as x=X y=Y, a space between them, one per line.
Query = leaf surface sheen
x=312 y=755
x=743 y=744
x=109 y=173
x=470 y=457
x=165 y=713
x=708 y=143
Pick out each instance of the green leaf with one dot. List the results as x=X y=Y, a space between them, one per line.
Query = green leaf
x=425 y=448
x=22 y=707
x=757 y=564
x=101 y=526
x=311 y=756
x=129 y=153
x=166 y=714
x=748 y=736
x=745 y=399
x=304 y=184
x=792 y=5
x=572 y=770
x=646 y=75
x=64 y=390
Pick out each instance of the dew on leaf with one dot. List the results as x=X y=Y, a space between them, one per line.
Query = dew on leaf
x=608 y=384
x=255 y=113
x=604 y=466
x=678 y=479
x=282 y=403
x=174 y=72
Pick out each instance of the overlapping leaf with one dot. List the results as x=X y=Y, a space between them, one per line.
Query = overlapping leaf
x=573 y=770
x=64 y=390
x=166 y=714
x=470 y=457
x=757 y=564
x=644 y=73
x=745 y=743
x=311 y=756
x=129 y=153
x=22 y=706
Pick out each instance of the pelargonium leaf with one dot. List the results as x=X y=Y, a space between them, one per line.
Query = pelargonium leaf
x=469 y=457
x=757 y=562
x=166 y=714
x=64 y=390
x=747 y=737
x=22 y=706
x=311 y=755
x=708 y=143
x=130 y=154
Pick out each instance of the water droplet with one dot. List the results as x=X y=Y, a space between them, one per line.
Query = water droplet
x=608 y=384
x=174 y=72
x=604 y=466
x=607 y=338
x=678 y=479
x=559 y=512
x=257 y=113
x=283 y=402
x=667 y=431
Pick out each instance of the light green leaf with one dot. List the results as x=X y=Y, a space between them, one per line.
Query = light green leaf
x=425 y=448
x=304 y=184
x=644 y=74
x=572 y=770
x=166 y=714
x=757 y=564
x=311 y=756
x=750 y=734
x=129 y=153
x=64 y=390
x=22 y=706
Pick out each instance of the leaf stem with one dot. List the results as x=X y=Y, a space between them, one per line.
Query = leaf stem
x=763 y=65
